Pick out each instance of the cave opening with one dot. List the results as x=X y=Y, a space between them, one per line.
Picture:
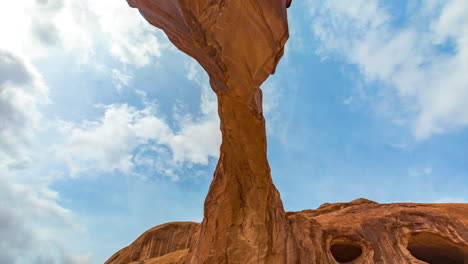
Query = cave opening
x=345 y=252
x=435 y=249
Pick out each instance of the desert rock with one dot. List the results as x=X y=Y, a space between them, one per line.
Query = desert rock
x=363 y=231
x=239 y=43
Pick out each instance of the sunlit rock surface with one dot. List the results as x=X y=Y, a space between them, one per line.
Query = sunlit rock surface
x=157 y=242
x=360 y=231
x=239 y=43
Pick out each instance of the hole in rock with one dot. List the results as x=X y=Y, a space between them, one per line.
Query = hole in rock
x=344 y=252
x=435 y=249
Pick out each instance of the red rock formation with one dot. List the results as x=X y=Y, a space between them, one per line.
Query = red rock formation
x=360 y=231
x=239 y=43
x=158 y=241
x=365 y=232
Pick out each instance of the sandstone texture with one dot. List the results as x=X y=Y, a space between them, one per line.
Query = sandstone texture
x=360 y=231
x=157 y=242
x=239 y=43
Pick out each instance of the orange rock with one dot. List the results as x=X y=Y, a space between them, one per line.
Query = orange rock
x=363 y=231
x=156 y=242
x=360 y=231
x=239 y=43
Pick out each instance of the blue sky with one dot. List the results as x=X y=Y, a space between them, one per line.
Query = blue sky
x=107 y=130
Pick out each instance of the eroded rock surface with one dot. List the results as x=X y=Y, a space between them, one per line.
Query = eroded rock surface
x=158 y=241
x=366 y=232
x=239 y=43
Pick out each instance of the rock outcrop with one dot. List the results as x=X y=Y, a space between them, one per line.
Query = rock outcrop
x=157 y=242
x=239 y=43
x=360 y=231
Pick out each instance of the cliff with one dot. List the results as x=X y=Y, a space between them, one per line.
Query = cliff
x=239 y=43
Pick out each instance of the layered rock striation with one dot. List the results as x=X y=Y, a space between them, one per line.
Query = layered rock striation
x=360 y=231
x=239 y=43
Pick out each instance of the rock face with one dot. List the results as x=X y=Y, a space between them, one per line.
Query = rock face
x=239 y=43
x=360 y=231
x=158 y=241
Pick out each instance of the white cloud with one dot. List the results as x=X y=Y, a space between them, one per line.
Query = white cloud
x=30 y=215
x=121 y=79
x=272 y=95
x=348 y=100
x=83 y=28
x=418 y=172
x=399 y=146
x=451 y=200
x=128 y=139
x=76 y=259
x=33 y=225
x=105 y=144
x=131 y=39
x=22 y=92
x=430 y=81
x=35 y=28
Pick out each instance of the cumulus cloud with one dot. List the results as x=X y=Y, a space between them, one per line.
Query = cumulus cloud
x=130 y=139
x=422 y=64
x=35 y=225
x=127 y=138
x=81 y=28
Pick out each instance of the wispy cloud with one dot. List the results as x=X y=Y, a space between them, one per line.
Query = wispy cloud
x=419 y=172
x=30 y=221
x=30 y=214
x=22 y=92
x=451 y=200
x=121 y=79
x=420 y=68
